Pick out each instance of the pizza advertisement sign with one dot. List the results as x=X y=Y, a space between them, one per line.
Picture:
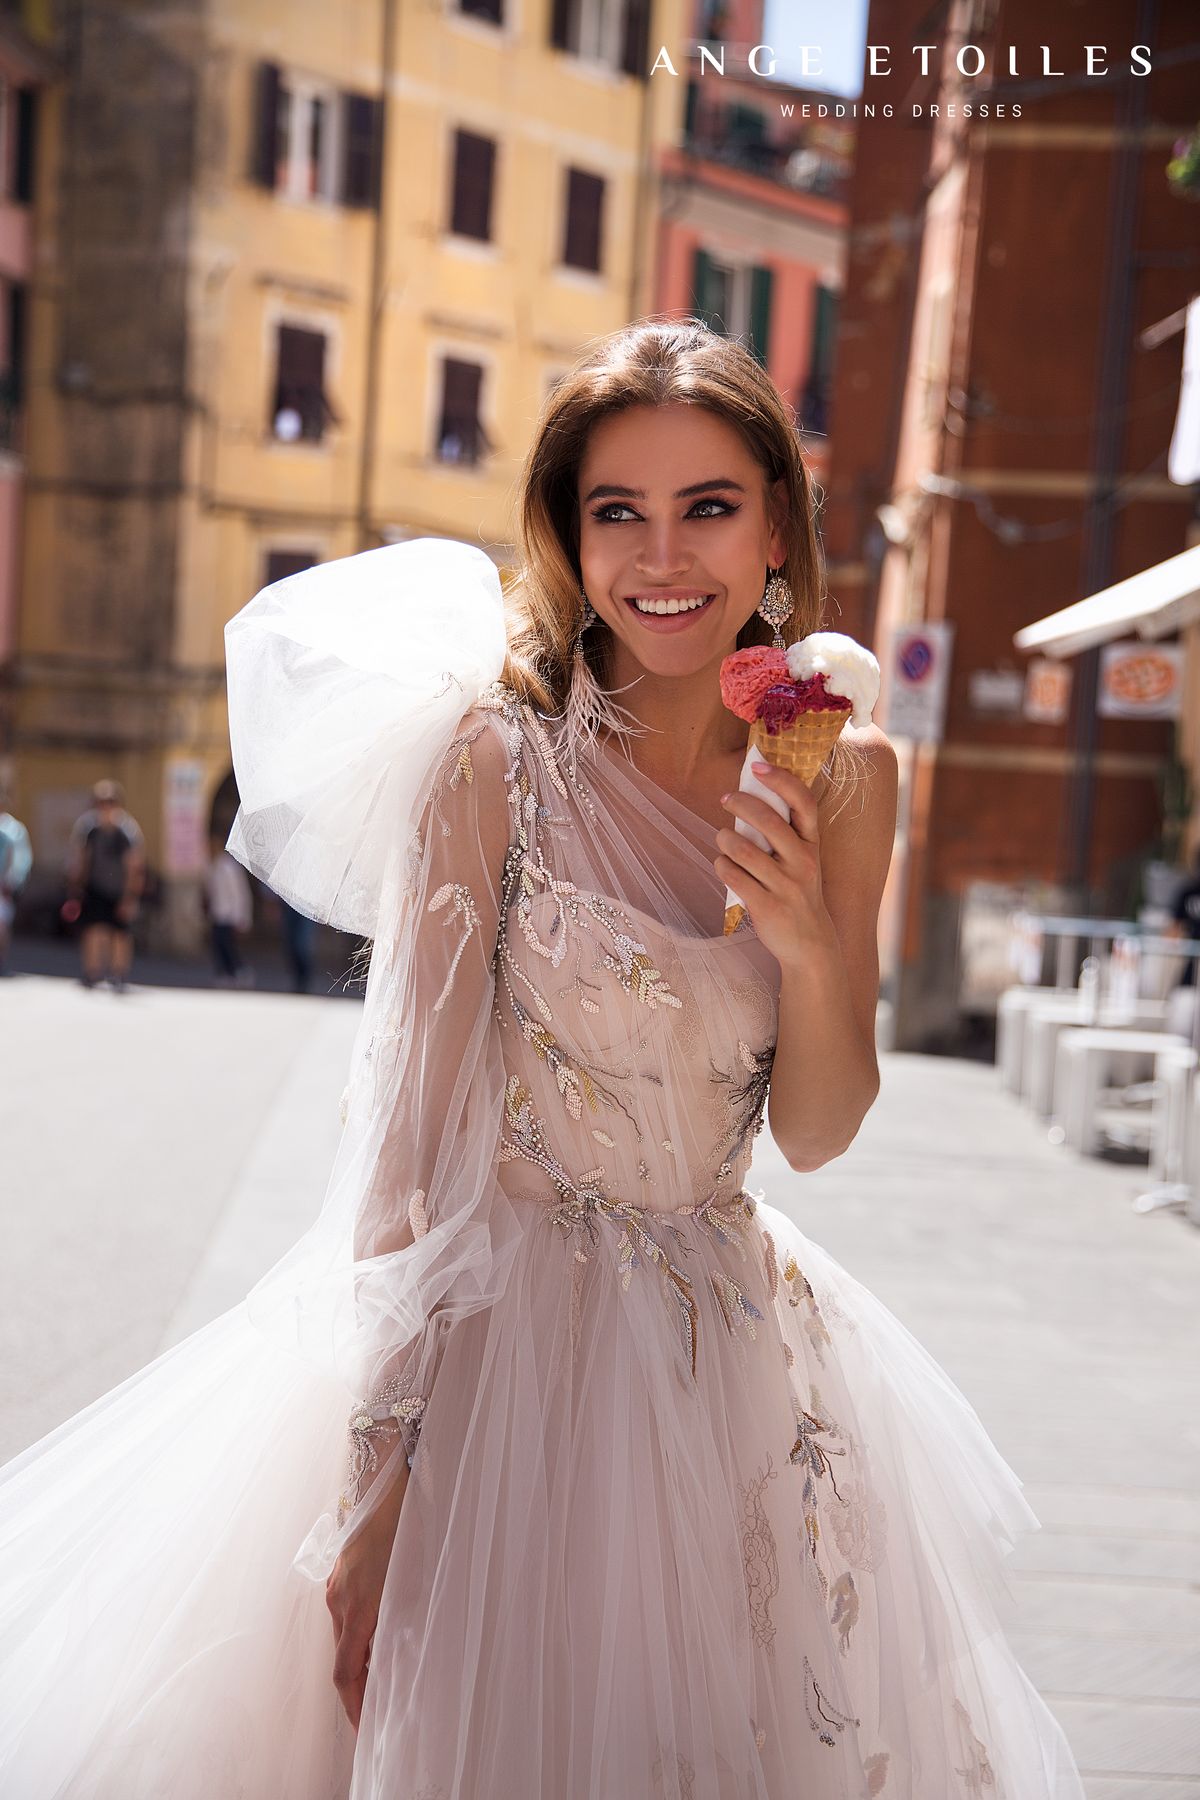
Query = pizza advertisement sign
x=1140 y=681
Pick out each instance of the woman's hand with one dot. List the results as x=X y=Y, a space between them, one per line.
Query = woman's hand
x=781 y=891
x=353 y=1592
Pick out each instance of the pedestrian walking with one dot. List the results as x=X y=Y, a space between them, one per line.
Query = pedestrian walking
x=642 y=1496
x=106 y=872
x=16 y=860
x=299 y=945
x=229 y=906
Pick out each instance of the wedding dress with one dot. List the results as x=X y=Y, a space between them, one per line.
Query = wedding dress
x=690 y=1515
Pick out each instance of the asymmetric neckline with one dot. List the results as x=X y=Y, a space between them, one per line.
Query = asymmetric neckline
x=660 y=793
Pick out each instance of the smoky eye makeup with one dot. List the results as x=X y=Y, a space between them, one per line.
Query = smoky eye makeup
x=601 y=514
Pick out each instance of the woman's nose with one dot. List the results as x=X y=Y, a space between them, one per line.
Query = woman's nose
x=661 y=552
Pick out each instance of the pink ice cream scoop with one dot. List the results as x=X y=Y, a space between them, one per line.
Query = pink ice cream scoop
x=746 y=675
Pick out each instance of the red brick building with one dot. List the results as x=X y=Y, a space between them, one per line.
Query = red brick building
x=999 y=440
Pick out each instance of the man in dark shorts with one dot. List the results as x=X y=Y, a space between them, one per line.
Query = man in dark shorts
x=106 y=869
x=1185 y=916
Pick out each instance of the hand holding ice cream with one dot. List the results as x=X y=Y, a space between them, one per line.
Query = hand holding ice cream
x=797 y=701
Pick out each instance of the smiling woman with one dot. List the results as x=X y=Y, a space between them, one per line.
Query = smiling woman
x=609 y=1480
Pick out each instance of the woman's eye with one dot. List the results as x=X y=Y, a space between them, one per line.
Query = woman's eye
x=603 y=515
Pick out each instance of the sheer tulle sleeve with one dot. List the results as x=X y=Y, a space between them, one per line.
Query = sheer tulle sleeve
x=432 y=1072
x=371 y=750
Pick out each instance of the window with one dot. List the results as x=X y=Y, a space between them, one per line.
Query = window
x=282 y=563
x=23 y=149
x=300 y=409
x=461 y=437
x=615 y=32
x=734 y=299
x=584 y=220
x=12 y=366
x=362 y=150
x=471 y=196
x=491 y=10
x=313 y=142
x=814 y=403
x=304 y=149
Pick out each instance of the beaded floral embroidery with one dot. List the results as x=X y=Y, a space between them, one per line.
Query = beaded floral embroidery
x=977 y=1773
x=760 y=1557
x=388 y=1412
x=823 y=1717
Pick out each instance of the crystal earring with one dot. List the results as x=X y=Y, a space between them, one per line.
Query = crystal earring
x=776 y=606
x=590 y=615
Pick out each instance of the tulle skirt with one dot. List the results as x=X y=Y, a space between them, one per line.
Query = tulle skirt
x=691 y=1516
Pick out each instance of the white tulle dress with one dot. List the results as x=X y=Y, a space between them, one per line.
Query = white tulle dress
x=690 y=1515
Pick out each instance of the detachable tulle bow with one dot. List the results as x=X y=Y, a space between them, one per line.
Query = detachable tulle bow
x=345 y=685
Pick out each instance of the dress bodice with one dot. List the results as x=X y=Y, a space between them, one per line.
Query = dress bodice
x=637 y=1046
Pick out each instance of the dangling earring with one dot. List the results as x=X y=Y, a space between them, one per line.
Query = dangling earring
x=776 y=606
x=589 y=617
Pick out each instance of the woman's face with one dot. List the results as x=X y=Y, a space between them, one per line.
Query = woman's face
x=673 y=506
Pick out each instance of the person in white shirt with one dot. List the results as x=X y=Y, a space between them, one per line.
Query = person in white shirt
x=230 y=908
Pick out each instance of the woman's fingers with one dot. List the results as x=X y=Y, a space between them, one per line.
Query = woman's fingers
x=350 y=1664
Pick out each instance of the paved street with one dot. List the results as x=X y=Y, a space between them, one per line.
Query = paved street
x=159 y=1150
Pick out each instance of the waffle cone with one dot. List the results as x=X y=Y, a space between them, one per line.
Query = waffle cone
x=802 y=747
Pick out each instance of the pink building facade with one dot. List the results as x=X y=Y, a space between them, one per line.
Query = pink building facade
x=753 y=215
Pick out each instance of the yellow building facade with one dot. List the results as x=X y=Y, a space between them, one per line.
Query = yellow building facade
x=324 y=317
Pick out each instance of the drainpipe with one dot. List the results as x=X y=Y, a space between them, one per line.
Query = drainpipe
x=377 y=291
x=1111 y=389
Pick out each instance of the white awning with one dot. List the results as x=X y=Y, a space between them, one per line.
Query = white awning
x=1153 y=604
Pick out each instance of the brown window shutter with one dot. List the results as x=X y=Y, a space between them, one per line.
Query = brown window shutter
x=25 y=150
x=266 y=124
x=560 y=24
x=362 y=149
x=474 y=169
x=461 y=437
x=282 y=563
x=300 y=380
x=635 y=38
x=585 y=211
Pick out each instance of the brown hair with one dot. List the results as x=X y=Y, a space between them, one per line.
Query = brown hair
x=655 y=362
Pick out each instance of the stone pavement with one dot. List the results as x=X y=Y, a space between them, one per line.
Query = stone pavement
x=160 y=1150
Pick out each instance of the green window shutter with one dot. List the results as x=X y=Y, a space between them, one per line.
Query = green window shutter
x=760 y=313
x=824 y=333
x=702 y=284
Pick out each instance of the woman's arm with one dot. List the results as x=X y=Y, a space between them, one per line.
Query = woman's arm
x=817 y=908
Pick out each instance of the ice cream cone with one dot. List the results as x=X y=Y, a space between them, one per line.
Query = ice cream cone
x=802 y=747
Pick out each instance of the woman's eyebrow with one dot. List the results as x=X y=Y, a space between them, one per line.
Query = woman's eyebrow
x=608 y=492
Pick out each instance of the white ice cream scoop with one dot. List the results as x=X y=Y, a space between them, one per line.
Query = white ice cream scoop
x=849 y=669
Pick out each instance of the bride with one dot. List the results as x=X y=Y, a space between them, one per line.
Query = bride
x=552 y=1463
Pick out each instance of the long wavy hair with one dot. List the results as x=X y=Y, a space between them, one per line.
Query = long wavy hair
x=654 y=362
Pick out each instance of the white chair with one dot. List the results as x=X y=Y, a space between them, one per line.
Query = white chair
x=1092 y=1057
x=1045 y=1023
x=1012 y=1012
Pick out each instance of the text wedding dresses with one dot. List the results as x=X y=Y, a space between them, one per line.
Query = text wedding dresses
x=690 y=1516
